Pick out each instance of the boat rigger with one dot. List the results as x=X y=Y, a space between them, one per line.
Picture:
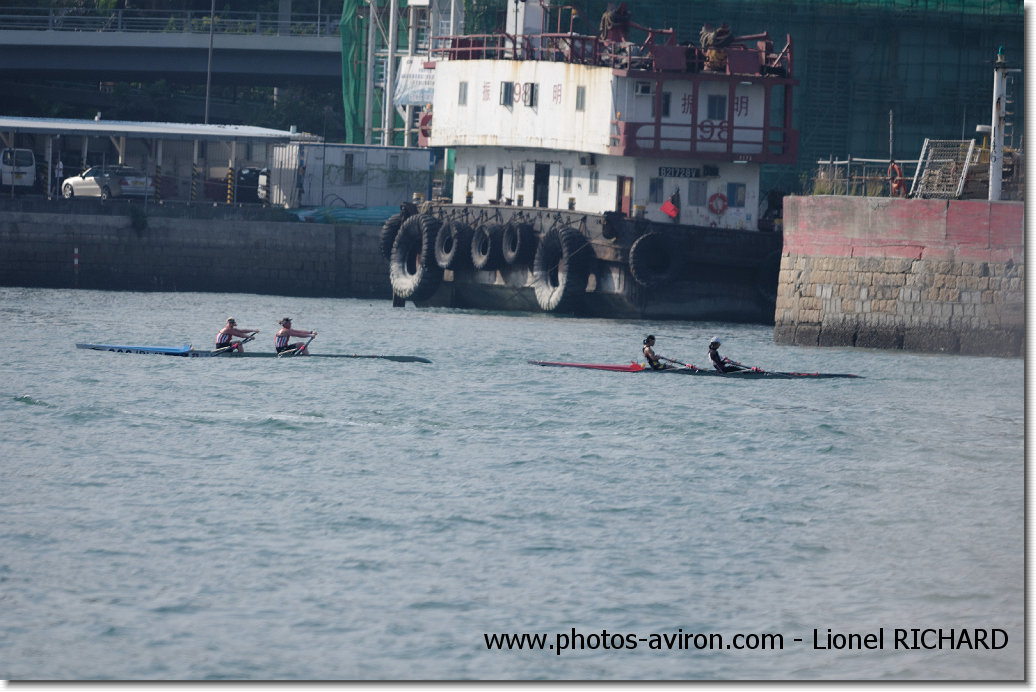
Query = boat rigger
x=746 y=374
x=186 y=351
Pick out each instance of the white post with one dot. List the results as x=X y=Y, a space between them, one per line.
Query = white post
x=390 y=77
x=996 y=142
x=368 y=100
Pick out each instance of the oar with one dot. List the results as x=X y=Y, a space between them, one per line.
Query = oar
x=676 y=362
x=297 y=350
x=398 y=359
x=221 y=351
x=743 y=368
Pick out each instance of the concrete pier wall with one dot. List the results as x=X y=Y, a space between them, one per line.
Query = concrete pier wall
x=918 y=275
x=178 y=254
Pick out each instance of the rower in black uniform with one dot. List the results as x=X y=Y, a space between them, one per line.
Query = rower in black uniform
x=652 y=359
x=719 y=362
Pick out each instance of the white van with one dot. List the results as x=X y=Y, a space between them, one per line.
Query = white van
x=17 y=168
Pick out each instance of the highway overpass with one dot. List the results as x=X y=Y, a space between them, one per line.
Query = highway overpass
x=249 y=48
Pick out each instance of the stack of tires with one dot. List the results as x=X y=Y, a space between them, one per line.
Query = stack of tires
x=561 y=268
x=420 y=247
x=409 y=246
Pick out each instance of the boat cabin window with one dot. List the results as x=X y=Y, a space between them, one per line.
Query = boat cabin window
x=735 y=194
x=462 y=94
x=519 y=176
x=666 y=98
x=697 y=193
x=506 y=93
x=595 y=181
x=566 y=180
x=580 y=98
x=717 y=107
x=480 y=177
x=655 y=190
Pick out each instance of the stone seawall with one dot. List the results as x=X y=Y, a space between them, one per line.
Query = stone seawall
x=177 y=254
x=918 y=275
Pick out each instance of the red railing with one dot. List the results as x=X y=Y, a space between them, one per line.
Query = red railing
x=705 y=140
x=659 y=52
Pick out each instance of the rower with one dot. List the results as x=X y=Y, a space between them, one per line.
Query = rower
x=280 y=341
x=653 y=360
x=224 y=338
x=719 y=362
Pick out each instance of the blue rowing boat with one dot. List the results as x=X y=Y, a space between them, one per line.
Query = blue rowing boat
x=186 y=351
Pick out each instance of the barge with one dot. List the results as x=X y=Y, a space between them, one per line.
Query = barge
x=613 y=175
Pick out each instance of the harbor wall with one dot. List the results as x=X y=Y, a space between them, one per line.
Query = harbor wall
x=917 y=275
x=120 y=252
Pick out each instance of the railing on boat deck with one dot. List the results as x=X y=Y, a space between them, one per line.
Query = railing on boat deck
x=658 y=53
x=709 y=139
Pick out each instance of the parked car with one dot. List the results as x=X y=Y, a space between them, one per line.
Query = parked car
x=17 y=168
x=93 y=182
x=247 y=185
x=132 y=182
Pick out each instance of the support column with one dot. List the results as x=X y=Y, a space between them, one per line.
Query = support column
x=231 y=179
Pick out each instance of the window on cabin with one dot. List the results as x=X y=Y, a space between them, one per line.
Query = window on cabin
x=519 y=176
x=480 y=177
x=580 y=98
x=736 y=194
x=655 y=190
x=717 y=107
x=595 y=179
x=506 y=93
x=566 y=180
x=462 y=94
x=666 y=100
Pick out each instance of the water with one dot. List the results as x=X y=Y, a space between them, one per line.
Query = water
x=169 y=518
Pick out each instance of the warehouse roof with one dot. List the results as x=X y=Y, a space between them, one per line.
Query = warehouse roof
x=125 y=128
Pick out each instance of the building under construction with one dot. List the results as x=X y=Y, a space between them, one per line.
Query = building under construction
x=876 y=77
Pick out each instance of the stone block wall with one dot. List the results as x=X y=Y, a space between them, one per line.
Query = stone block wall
x=175 y=254
x=918 y=275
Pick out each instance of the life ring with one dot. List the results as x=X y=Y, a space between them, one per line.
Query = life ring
x=424 y=128
x=718 y=203
x=655 y=259
x=895 y=175
x=413 y=271
x=561 y=269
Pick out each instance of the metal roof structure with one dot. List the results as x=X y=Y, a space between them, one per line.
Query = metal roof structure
x=167 y=131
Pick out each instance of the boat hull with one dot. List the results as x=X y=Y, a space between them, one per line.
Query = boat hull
x=753 y=374
x=629 y=268
x=188 y=352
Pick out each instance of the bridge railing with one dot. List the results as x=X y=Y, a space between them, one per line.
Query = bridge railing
x=172 y=21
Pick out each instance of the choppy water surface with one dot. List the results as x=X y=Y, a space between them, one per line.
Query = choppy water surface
x=168 y=518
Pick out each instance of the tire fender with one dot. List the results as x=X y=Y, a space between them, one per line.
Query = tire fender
x=413 y=271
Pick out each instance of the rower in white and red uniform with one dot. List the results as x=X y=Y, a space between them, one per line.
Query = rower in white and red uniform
x=225 y=336
x=285 y=333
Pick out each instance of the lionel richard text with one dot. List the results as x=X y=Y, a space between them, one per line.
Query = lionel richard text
x=911 y=638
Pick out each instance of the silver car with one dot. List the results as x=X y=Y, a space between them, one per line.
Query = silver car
x=93 y=182
x=131 y=182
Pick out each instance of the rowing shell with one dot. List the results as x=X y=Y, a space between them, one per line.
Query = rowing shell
x=186 y=351
x=755 y=374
